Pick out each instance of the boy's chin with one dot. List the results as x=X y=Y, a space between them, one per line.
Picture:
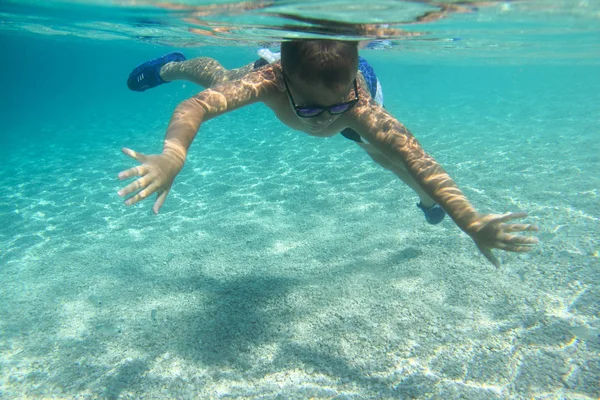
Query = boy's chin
x=316 y=129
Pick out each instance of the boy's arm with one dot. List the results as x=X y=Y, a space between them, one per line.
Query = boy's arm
x=157 y=172
x=191 y=113
x=394 y=140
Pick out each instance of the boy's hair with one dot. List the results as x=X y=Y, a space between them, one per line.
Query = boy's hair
x=330 y=62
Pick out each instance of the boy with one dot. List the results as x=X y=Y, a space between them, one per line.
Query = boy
x=316 y=88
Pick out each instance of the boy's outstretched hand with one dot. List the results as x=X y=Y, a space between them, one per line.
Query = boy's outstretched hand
x=491 y=231
x=157 y=173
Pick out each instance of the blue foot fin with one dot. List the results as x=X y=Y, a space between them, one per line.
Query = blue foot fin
x=434 y=214
x=147 y=75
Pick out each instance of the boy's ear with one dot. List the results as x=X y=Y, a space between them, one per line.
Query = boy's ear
x=279 y=79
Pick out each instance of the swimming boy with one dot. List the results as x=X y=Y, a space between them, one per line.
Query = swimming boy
x=316 y=88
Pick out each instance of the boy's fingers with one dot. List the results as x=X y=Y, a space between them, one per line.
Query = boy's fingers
x=487 y=252
x=138 y=170
x=134 y=186
x=160 y=200
x=509 y=216
x=518 y=249
x=526 y=241
x=520 y=240
x=141 y=195
x=520 y=228
x=134 y=154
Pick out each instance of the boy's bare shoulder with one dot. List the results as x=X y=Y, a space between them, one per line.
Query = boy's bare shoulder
x=256 y=86
x=366 y=104
x=370 y=119
x=268 y=78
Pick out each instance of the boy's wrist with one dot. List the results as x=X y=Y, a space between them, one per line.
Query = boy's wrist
x=175 y=151
x=469 y=223
x=464 y=219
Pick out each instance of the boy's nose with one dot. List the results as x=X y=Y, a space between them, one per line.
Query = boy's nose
x=325 y=118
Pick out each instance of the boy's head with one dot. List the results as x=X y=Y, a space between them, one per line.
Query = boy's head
x=328 y=62
x=320 y=75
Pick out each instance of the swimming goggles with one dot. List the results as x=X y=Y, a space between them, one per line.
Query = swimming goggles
x=314 y=111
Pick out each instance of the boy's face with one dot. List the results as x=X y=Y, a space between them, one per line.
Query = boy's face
x=311 y=94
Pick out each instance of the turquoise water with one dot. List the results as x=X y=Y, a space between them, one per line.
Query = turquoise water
x=288 y=266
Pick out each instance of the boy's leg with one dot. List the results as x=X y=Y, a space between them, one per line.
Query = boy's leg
x=204 y=71
x=400 y=171
x=434 y=214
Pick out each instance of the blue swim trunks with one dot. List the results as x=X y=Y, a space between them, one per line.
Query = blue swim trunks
x=374 y=88
x=372 y=82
